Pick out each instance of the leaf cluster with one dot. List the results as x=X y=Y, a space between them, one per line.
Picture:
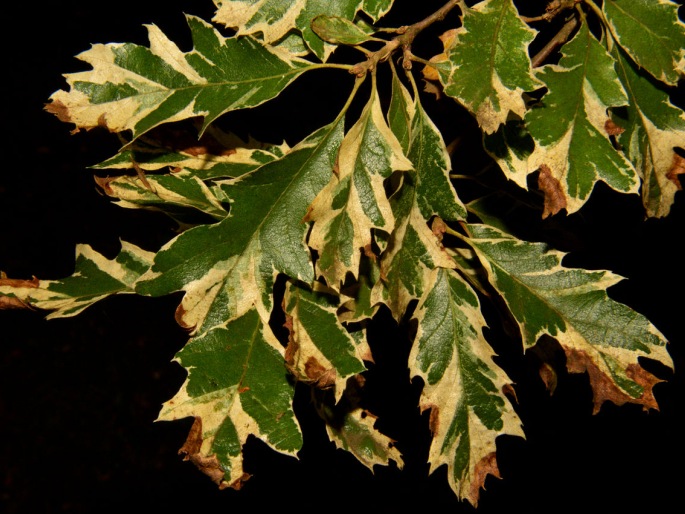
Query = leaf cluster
x=286 y=252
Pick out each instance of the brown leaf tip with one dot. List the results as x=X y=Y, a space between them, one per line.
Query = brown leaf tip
x=605 y=389
x=486 y=466
x=612 y=129
x=677 y=168
x=209 y=465
x=555 y=199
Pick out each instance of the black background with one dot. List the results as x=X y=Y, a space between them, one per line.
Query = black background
x=78 y=397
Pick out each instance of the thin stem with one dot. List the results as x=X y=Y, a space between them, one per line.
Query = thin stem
x=559 y=39
x=404 y=39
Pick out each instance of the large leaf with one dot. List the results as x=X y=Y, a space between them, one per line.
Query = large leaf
x=574 y=150
x=489 y=63
x=354 y=202
x=136 y=88
x=320 y=351
x=599 y=335
x=228 y=267
x=95 y=277
x=463 y=387
x=273 y=19
x=237 y=386
x=653 y=128
x=651 y=33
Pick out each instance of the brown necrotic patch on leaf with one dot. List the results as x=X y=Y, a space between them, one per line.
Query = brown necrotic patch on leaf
x=555 y=199
x=486 y=466
x=677 y=168
x=12 y=302
x=605 y=389
x=209 y=465
x=318 y=375
x=612 y=129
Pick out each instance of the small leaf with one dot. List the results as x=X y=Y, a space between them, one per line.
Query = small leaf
x=353 y=429
x=463 y=387
x=651 y=33
x=337 y=30
x=569 y=126
x=654 y=127
x=320 y=351
x=236 y=387
x=490 y=66
x=95 y=278
x=571 y=305
x=135 y=88
x=354 y=201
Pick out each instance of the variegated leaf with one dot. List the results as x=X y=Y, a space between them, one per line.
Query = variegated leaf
x=354 y=202
x=236 y=387
x=273 y=19
x=463 y=387
x=339 y=31
x=599 y=335
x=650 y=129
x=489 y=63
x=95 y=278
x=136 y=88
x=320 y=351
x=574 y=150
x=353 y=429
x=651 y=33
x=168 y=193
x=413 y=249
x=215 y=155
x=227 y=268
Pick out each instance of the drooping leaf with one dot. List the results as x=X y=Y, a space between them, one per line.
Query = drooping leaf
x=228 y=267
x=651 y=128
x=463 y=387
x=168 y=193
x=574 y=150
x=215 y=155
x=490 y=66
x=354 y=202
x=273 y=19
x=320 y=351
x=599 y=335
x=352 y=428
x=651 y=33
x=95 y=277
x=237 y=386
x=136 y=88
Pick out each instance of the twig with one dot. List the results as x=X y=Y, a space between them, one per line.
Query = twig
x=404 y=39
x=559 y=39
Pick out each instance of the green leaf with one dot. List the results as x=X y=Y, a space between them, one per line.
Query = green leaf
x=490 y=66
x=237 y=386
x=653 y=128
x=651 y=33
x=135 y=88
x=463 y=387
x=574 y=150
x=95 y=278
x=354 y=202
x=228 y=267
x=337 y=30
x=320 y=351
x=353 y=429
x=599 y=335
